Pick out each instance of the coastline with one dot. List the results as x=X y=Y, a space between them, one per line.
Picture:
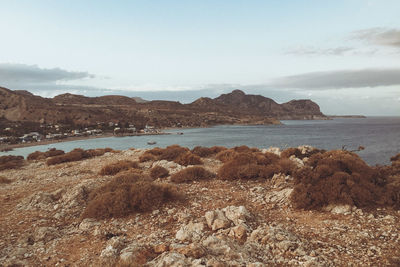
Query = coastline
x=72 y=138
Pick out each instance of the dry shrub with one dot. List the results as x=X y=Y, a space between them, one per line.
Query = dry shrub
x=4 y=180
x=395 y=158
x=226 y=155
x=250 y=166
x=37 y=155
x=116 y=167
x=292 y=151
x=188 y=159
x=97 y=152
x=147 y=157
x=158 y=172
x=192 y=174
x=288 y=167
x=125 y=195
x=217 y=149
x=203 y=152
x=340 y=177
x=245 y=149
x=169 y=153
x=11 y=162
x=77 y=154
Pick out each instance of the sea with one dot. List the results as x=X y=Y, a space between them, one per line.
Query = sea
x=380 y=136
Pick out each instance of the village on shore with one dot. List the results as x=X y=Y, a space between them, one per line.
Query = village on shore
x=18 y=136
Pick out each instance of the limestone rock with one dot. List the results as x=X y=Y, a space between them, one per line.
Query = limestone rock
x=190 y=232
x=237 y=215
x=216 y=220
x=46 y=234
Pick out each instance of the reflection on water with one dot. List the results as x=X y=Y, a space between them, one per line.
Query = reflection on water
x=379 y=135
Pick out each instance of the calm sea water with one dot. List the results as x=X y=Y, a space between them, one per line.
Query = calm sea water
x=379 y=135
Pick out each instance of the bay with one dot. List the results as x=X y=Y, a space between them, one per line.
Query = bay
x=379 y=135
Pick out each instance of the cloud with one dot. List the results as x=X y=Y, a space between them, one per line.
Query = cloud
x=313 y=51
x=21 y=74
x=379 y=36
x=340 y=79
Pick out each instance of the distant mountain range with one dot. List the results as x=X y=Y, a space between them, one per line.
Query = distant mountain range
x=232 y=108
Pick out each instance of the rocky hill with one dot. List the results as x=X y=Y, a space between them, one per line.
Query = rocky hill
x=235 y=107
x=84 y=213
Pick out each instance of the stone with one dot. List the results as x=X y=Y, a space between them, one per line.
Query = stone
x=87 y=224
x=170 y=259
x=274 y=150
x=46 y=234
x=339 y=209
x=190 y=232
x=237 y=215
x=216 y=220
x=193 y=250
x=239 y=232
x=160 y=248
x=130 y=254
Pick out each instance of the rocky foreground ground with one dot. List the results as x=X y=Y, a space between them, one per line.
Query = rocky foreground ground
x=219 y=223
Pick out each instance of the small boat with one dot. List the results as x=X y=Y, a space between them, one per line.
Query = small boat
x=180 y=133
x=151 y=142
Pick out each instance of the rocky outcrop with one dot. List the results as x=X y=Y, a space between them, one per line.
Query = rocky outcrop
x=233 y=108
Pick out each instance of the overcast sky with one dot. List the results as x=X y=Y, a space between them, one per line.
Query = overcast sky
x=343 y=54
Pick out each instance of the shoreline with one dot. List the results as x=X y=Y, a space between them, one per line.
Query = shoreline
x=70 y=139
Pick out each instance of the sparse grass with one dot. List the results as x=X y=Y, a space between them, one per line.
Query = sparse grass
x=11 y=162
x=342 y=177
x=195 y=173
x=77 y=154
x=37 y=155
x=158 y=172
x=127 y=194
x=116 y=167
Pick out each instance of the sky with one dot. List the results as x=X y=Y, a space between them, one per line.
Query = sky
x=343 y=54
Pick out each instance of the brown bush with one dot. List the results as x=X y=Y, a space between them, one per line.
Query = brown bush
x=395 y=158
x=11 y=162
x=287 y=166
x=188 y=159
x=147 y=157
x=125 y=195
x=76 y=155
x=4 y=180
x=202 y=151
x=37 y=155
x=90 y=153
x=291 y=151
x=158 y=172
x=250 y=165
x=233 y=171
x=340 y=177
x=245 y=149
x=169 y=153
x=226 y=155
x=192 y=174
x=116 y=167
